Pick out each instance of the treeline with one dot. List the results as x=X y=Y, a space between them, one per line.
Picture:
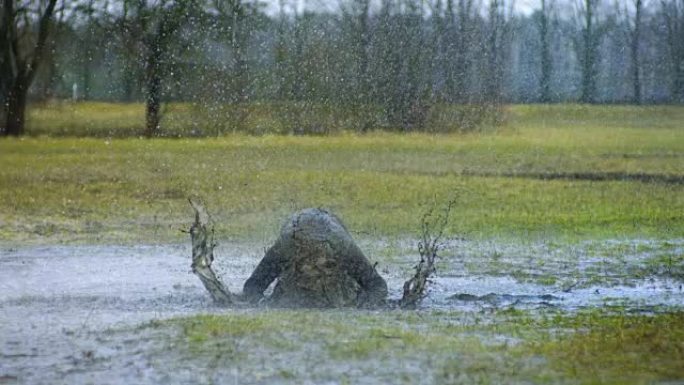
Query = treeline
x=399 y=64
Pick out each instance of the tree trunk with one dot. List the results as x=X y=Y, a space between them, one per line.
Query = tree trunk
x=636 y=37
x=241 y=83
x=19 y=80
x=15 y=109
x=589 y=54
x=673 y=19
x=130 y=80
x=153 y=97
x=494 y=72
x=679 y=80
x=153 y=107
x=545 y=81
x=364 y=91
x=461 y=71
x=85 y=78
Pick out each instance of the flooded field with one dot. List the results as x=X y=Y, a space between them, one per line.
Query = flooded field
x=73 y=314
x=565 y=264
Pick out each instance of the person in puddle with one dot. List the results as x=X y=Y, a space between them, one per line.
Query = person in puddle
x=316 y=264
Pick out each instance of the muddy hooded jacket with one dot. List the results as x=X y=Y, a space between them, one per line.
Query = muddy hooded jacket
x=317 y=264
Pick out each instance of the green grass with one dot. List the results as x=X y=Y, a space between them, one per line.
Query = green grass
x=511 y=346
x=133 y=190
x=617 y=348
x=615 y=172
x=99 y=119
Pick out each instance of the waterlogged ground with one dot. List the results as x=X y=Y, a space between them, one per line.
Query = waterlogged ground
x=524 y=299
x=109 y=314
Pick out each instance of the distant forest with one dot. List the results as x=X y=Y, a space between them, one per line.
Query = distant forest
x=401 y=55
x=456 y=50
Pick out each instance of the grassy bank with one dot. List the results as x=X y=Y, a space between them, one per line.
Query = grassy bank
x=99 y=119
x=120 y=120
x=544 y=174
x=506 y=346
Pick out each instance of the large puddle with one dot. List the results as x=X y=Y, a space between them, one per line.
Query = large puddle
x=52 y=298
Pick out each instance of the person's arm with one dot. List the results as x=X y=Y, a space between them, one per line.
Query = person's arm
x=373 y=286
x=265 y=273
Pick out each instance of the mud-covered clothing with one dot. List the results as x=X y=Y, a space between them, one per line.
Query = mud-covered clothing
x=317 y=264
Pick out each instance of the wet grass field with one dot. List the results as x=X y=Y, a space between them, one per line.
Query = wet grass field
x=564 y=261
x=552 y=171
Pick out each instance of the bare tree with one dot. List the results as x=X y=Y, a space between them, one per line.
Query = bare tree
x=356 y=18
x=635 y=32
x=280 y=53
x=154 y=25
x=632 y=21
x=235 y=23
x=233 y=16
x=587 y=46
x=460 y=16
x=46 y=81
x=402 y=71
x=672 y=14
x=497 y=44
x=89 y=21
x=545 y=15
x=23 y=37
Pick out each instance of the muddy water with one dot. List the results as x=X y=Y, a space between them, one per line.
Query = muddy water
x=58 y=302
x=55 y=301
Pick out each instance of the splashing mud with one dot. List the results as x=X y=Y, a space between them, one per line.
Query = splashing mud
x=57 y=303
